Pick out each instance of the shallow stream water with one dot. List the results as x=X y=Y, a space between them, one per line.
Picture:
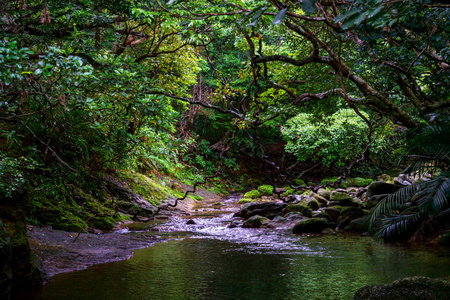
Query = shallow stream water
x=208 y=260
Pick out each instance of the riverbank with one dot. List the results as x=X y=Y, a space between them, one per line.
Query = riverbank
x=60 y=252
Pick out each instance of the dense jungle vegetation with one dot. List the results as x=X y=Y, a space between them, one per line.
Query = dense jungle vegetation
x=229 y=93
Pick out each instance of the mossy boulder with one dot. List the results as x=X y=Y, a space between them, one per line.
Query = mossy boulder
x=253 y=194
x=266 y=209
x=256 y=222
x=379 y=188
x=349 y=214
x=343 y=199
x=356 y=182
x=304 y=210
x=312 y=225
x=333 y=213
x=359 y=225
x=246 y=200
x=411 y=288
x=265 y=190
x=328 y=180
x=313 y=204
x=322 y=200
x=298 y=182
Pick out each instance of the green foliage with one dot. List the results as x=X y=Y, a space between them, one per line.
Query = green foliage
x=333 y=140
x=265 y=190
x=431 y=145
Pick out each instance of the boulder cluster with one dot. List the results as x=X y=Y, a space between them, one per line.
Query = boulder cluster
x=324 y=211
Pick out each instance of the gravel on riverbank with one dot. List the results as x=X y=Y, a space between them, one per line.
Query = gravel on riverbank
x=59 y=253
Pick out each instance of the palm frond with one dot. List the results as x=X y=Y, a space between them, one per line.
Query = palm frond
x=392 y=202
x=434 y=196
x=397 y=225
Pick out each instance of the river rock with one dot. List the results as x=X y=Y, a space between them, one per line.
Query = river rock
x=324 y=193
x=294 y=198
x=320 y=199
x=323 y=215
x=312 y=225
x=349 y=214
x=300 y=208
x=359 y=225
x=379 y=188
x=266 y=209
x=410 y=288
x=256 y=222
x=313 y=204
x=333 y=213
x=343 y=199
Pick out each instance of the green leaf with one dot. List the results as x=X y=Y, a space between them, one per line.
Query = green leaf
x=309 y=6
x=346 y=14
x=279 y=17
x=354 y=20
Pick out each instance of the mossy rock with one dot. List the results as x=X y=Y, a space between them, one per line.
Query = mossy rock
x=312 y=225
x=328 y=180
x=298 y=182
x=359 y=225
x=253 y=194
x=333 y=213
x=313 y=204
x=265 y=190
x=343 y=199
x=246 y=200
x=411 y=288
x=356 y=182
x=256 y=222
x=304 y=210
x=218 y=204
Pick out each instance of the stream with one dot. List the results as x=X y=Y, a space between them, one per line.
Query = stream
x=208 y=260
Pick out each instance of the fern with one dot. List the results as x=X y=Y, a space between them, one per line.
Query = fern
x=430 y=146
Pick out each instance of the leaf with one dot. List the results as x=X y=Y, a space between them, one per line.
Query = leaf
x=345 y=15
x=256 y=17
x=354 y=20
x=309 y=6
x=279 y=17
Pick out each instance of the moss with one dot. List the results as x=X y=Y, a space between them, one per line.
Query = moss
x=196 y=197
x=254 y=194
x=298 y=181
x=356 y=182
x=246 y=200
x=304 y=210
x=218 y=204
x=328 y=180
x=312 y=225
x=265 y=190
